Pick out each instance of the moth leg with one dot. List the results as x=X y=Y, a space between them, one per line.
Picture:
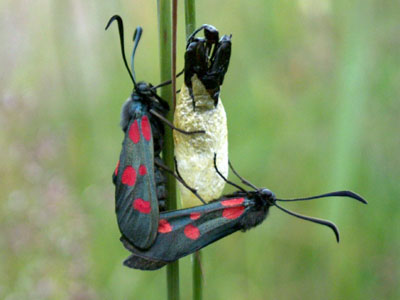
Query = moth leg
x=192 y=96
x=179 y=178
x=244 y=181
x=152 y=111
x=223 y=177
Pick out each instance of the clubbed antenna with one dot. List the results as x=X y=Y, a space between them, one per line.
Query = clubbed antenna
x=348 y=194
x=314 y=220
x=136 y=38
x=121 y=39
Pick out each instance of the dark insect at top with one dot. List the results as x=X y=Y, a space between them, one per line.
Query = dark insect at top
x=208 y=58
x=182 y=232
x=139 y=181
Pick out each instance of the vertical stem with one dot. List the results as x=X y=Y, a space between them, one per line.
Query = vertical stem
x=190 y=16
x=197 y=280
x=197 y=276
x=174 y=29
x=164 y=29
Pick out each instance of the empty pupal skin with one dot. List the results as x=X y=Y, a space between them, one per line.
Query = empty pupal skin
x=194 y=154
x=199 y=107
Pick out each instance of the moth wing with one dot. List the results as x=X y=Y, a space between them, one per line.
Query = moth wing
x=185 y=231
x=136 y=261
x=135 y=192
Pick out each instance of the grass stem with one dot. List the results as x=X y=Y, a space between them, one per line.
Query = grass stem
x=165 y=41
x=197 y=276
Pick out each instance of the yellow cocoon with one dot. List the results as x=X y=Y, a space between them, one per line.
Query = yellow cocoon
x=195 y=153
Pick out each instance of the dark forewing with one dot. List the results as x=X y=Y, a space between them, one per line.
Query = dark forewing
x=185 y=231
x=135 y=192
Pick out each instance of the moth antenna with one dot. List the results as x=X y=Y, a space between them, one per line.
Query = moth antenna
x=223 y=177
x=244 y=181
x=121 y=39
x=166 y=121
x=314 y=220
x=167 y=82
x=348 y=194
x=136 y=38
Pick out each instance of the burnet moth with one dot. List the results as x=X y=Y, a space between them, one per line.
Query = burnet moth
x=199 y=106
x=182 y=232
x=138 y=178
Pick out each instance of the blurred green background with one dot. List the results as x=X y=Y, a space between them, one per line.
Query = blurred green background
x=312 y=97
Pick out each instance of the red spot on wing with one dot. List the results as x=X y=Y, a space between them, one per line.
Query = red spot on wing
x=146 y=128
x=164 y=226
x=233 y=212
x=134 y=133
x=142 y=170
x=129 y=176
x=191 y=231
x=116 y=169
x=232 y=202
x=195 y=215
x=142 y=206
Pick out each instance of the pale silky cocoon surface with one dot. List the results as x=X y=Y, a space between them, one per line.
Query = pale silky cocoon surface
x=195 y=153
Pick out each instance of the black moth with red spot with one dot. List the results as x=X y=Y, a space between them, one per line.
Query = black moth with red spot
x=182 y=232
x=185 y=231
x=139 y=180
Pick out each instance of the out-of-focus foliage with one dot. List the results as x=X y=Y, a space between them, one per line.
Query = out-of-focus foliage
x=312 y=97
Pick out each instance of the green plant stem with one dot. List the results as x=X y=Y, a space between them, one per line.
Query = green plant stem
x=190 y=16
x=165 y=38
x=174 y=33
x=197 y=276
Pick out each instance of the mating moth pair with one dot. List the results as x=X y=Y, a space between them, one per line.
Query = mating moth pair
x=156 y=237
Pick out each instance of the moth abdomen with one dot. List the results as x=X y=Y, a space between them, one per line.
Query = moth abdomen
x=160 y=180
x=253 y=218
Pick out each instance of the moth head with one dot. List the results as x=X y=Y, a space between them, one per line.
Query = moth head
x=268 y=199
x=143 y=88
x=267 y=195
